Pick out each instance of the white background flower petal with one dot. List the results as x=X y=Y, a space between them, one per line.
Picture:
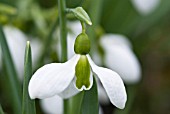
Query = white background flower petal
x=124 y=62
x=69 y=91
x=103 y=98
x=52 y=78
x=16 y=40
x=112 y=83
x=120 y=57
x=145 y=6
x=52 y=105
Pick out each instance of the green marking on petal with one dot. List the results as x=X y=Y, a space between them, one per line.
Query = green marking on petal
x=83 y=72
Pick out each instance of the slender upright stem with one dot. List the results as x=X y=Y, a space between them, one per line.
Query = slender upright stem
x=63 y=39
x=63 y=29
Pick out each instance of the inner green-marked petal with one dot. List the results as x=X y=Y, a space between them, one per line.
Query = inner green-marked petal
x=83 y=72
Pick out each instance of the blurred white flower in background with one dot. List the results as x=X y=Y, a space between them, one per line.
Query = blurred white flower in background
x=54 y=105
x=16 y=41
x=119 y=56
x=145 y=6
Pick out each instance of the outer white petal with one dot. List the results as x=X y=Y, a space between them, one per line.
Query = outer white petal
x=69 y=91
x=145 y=6
x=52 y=105
x=112 y=83
x=52 y=78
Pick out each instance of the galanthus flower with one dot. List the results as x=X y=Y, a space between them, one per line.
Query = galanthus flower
x=67 y=79
x=118 y=56
x=145 y=6
x=16 y=41
x=54 y=105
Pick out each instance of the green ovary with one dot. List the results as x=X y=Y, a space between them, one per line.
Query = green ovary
x=83 y=72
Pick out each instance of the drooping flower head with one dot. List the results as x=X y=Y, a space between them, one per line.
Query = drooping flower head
x=67 y=79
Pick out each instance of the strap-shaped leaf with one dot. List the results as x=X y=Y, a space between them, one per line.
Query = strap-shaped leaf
x=12 y=75
x=81 y=14
x=28 y=105
x=1 y=111
x=90 y=104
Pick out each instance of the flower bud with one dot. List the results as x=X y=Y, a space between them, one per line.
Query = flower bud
x=82 y=44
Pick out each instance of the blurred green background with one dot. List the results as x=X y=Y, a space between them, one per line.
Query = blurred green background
x=149 y=34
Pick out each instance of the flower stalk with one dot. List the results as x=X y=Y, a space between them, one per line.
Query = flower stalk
x=63 y=39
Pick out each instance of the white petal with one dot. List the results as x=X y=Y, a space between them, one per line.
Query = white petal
x=75 y=27
x=103 y=98
x=100 y=110
x=109 y=40
x=112 y=83
x=52 y=78
x=83 y=87
x=120 y=58
x=36 y=47
x=124 y=62
x=75 y=30
x=16 y=41
x=145 y=6
x=69 y=91
x=52 y=105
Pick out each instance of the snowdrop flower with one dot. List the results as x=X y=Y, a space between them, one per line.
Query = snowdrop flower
x=120 y=58
x=67 y=79
x=54 y=105
x=145 y=6
x=16 y=41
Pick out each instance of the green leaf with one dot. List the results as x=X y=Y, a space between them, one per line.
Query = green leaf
x=75 y=103
x=1 y=111
x=13 y=81
x=81 y=14
x=90 y=104
x=28 y=105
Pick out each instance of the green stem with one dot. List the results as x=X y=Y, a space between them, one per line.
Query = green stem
x=63 y=39
x=1 y=111
x=63 y=29
x=11 y=75
x=83 y=27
